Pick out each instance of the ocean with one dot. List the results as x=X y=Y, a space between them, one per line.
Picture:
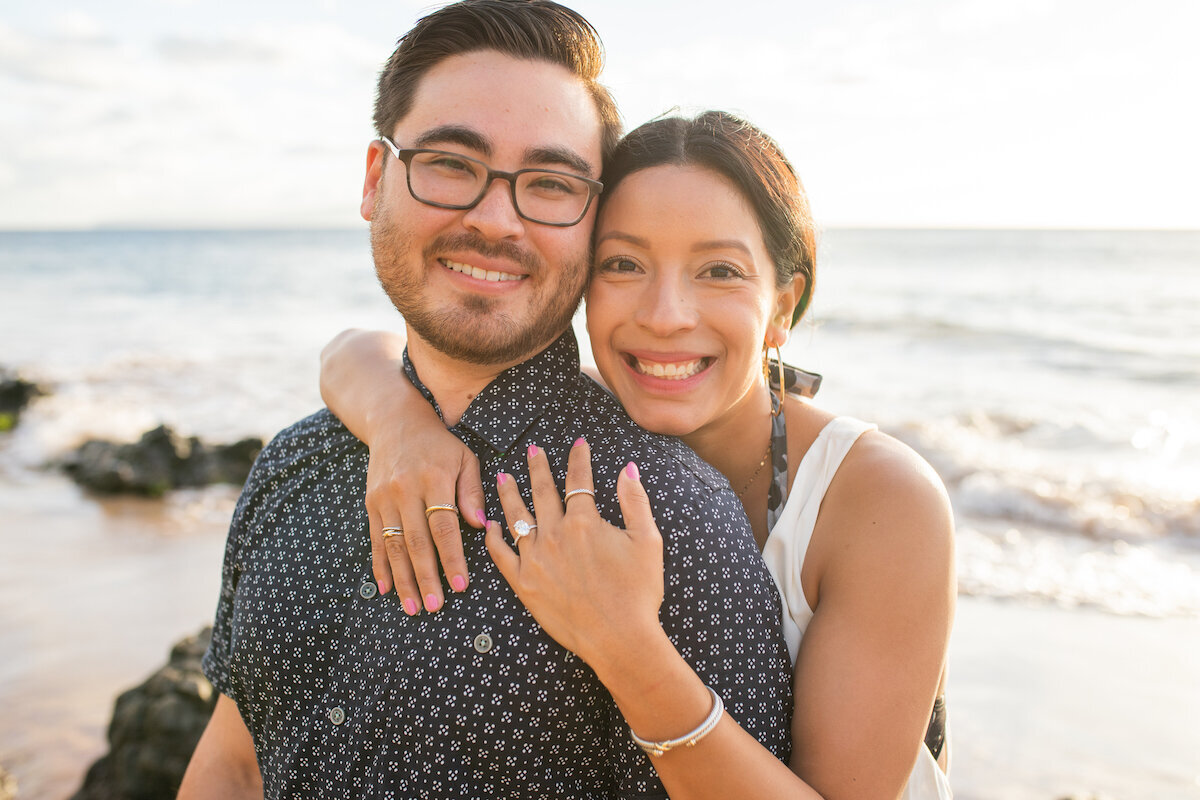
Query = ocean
x=1051 y=378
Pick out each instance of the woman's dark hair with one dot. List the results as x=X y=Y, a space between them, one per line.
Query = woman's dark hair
x=538 y=30
x=737 y=150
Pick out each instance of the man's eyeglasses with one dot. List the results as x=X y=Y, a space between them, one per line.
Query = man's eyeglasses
x=450 y=180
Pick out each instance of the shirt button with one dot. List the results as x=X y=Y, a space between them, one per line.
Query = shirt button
x=336 y=715
x=368 y=590
x=483 y=643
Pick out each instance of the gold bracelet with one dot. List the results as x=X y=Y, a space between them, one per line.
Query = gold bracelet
x=688 y=739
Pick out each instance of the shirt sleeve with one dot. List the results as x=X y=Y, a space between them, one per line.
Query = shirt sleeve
x=216 y=661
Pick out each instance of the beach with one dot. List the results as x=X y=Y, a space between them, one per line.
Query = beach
x=1060 y=415
x=1045 y=702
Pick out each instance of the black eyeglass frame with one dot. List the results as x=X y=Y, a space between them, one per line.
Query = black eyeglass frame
x=406 y=155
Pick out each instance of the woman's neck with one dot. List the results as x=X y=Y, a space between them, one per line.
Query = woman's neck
x=736 y=444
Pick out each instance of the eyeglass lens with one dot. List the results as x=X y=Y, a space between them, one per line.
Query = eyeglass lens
x=458 y=181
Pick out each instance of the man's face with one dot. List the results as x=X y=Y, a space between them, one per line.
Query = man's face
x=484 y=285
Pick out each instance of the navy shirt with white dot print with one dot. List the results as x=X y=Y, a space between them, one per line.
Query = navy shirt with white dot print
x=347 y=696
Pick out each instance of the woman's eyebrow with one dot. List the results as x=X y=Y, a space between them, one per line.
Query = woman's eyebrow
x=722 y=244
x=621 y=236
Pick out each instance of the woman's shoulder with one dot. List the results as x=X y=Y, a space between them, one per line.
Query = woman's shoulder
x=886 y=516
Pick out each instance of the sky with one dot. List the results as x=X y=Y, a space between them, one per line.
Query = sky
x=896 y=113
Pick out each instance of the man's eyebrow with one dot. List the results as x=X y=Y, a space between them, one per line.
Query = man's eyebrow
x=559 y=156
x=455 y=134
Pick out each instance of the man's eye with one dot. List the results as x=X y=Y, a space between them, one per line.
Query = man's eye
x=553 y=185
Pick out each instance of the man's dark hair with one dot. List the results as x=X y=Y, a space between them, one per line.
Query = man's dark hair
x=527 y=29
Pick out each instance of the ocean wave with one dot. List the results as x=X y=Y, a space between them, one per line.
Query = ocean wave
x=1167 y=360
x=1076 y=476
x=1032 y=564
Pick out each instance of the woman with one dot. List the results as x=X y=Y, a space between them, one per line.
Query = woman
x=704 y=260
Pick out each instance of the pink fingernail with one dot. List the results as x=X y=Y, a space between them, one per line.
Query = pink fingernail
x=458 y=583
x=631 y=471
x=501 y=478
x=532 y=450
x=579 y=441
x=479 y=515
x=410 y=607
x=432 y=602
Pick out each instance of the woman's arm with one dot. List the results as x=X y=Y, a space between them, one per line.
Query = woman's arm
x=414 y=462
x=879 y=575
x=596 y=589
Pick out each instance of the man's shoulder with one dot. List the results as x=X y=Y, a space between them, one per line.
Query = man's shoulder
x=317 y=444
x=611 y=433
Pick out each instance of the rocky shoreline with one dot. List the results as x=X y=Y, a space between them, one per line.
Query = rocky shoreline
x=16 y=393
x=158 y=462
x=154 y=729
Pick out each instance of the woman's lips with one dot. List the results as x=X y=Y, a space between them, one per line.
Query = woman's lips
x=674 y=370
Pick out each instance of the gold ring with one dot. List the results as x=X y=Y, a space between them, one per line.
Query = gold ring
x=392 y=531
x=432 y=509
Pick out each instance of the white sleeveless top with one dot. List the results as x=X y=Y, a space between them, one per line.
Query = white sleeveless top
x=784 y=553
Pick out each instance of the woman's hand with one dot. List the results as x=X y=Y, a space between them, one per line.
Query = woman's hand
x=415 y=463
x=590 y=585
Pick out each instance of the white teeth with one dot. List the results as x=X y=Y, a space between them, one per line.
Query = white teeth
x=479 y=274
x=672 y=372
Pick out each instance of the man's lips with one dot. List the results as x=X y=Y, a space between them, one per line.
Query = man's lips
x=494 y=276
x=673 y=370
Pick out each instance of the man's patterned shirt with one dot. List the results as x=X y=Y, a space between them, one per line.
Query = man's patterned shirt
x=347 y=696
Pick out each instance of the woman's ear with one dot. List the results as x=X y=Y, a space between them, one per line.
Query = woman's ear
x=780 y=324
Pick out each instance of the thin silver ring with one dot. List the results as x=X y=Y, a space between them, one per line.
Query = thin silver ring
x=447 y=507
x=521 y=529
x=392 y=530
x=574 y=492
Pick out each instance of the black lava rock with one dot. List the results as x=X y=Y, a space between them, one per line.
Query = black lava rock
x=159 y=461
x=154 y=729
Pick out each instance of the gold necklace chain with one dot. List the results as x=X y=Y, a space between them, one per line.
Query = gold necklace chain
x=757 y=470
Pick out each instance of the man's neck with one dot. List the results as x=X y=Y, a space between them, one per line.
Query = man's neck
x=453 y=382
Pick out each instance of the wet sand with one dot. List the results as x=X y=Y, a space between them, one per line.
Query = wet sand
x=1044 y=701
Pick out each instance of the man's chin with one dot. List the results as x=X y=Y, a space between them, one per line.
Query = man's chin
x=486 y=342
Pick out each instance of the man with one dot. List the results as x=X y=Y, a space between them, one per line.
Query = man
x=329 y=689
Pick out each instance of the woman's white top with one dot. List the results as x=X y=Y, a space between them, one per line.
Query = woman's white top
x=785 y=550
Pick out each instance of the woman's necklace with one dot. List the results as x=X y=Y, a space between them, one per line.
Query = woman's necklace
x=766 y=457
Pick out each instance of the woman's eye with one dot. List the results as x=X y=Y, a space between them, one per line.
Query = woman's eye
x=722 y=270
x=620 y=264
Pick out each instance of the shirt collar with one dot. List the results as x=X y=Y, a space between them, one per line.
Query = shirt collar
x=505 y=409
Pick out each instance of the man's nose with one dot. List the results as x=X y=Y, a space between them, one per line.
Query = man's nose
x=495 y=216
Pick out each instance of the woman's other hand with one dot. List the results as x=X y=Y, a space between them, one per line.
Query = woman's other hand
x=592 y=586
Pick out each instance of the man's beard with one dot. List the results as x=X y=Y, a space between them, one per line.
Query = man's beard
x=471 y=330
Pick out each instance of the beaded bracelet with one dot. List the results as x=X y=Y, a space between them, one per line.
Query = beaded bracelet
x=688 y=739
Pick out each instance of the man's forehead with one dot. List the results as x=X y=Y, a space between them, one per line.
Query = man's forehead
x=504 y=107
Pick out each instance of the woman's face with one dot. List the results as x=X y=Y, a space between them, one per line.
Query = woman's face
x=682 y=294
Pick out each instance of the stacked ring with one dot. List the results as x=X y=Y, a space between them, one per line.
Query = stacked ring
x=574 y=492
x=392 y=531
x=433 y=508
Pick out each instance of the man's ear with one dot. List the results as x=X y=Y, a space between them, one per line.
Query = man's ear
x=375 y=157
